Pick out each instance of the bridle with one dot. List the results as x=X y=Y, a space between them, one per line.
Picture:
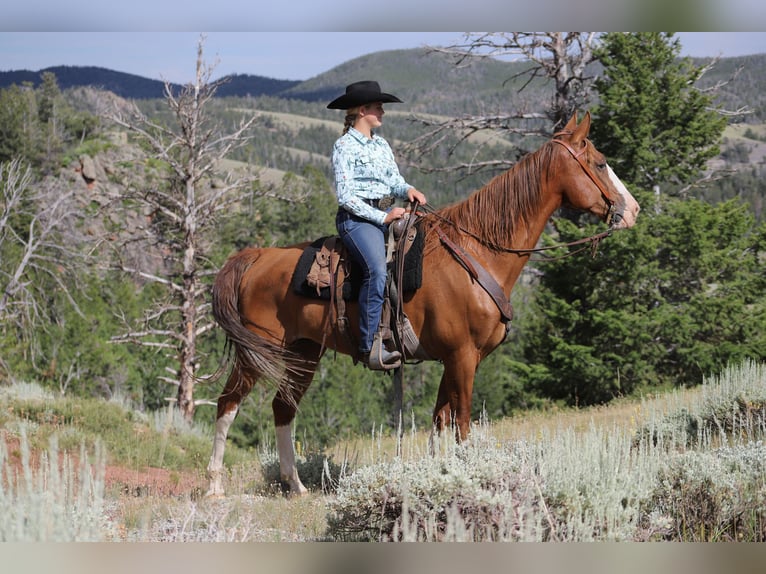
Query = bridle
x=592 y=242
x=611 y=209
x=611 y=218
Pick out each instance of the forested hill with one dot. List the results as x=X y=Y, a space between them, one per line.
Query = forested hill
x=137 y=87
x=416 y=75
x=426 y=81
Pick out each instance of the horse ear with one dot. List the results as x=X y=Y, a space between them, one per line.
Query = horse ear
x=571 y=124
x=582 y=131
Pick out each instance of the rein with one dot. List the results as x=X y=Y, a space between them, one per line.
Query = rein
x=591 y=241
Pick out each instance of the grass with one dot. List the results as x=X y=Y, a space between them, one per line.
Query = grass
x=128 y=435
x=687 y=466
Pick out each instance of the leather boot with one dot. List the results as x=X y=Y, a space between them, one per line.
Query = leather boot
x=382 y=359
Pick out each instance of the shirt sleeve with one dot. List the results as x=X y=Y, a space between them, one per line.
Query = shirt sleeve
x=395 y=181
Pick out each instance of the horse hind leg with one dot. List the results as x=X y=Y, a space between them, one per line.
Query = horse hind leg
x=237 y=387
x=284 y=407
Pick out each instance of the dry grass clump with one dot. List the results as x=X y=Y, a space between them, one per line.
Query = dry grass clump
x=235 y=518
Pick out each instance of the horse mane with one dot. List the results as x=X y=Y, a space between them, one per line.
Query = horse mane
x=493 y=212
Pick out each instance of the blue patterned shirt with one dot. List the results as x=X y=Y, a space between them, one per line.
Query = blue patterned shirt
x=365 y=169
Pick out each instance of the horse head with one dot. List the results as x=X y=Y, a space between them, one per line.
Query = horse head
x=593 y=186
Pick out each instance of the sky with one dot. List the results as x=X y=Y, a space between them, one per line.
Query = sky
x=282 y=55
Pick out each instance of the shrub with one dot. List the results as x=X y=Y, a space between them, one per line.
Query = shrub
x=53 y=498
x=731 y=405
x=598 y=484
x=480 y=490
x=714 y=495
x=317 y=471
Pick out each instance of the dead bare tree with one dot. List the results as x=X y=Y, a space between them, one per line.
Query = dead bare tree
x=187 y=207
x=32 y=215
x=562 y=57
x=559 y=56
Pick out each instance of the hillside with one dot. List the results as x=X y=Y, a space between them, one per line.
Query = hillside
x=429 y=82
x=296 y=131
x=425 y=81
x=686 y=466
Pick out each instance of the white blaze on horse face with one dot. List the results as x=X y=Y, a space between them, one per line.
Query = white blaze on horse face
x=631 y=205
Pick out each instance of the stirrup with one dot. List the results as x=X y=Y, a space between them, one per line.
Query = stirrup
x=381 y=359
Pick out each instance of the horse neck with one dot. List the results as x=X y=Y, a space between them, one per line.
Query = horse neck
x=506 y=265
x=511 y=206
x=483 y=222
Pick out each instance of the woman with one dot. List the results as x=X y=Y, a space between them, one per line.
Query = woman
x=366 y=178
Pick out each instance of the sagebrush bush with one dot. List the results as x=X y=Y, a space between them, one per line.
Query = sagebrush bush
x=317 y=470
x=479 y=490
x=52 y=498
x=665 y=482
x=730 y=405
x=714 y=495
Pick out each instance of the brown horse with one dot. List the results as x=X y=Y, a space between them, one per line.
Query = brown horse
x=279 y=335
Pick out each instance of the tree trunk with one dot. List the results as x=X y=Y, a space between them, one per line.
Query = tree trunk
x=187 y=376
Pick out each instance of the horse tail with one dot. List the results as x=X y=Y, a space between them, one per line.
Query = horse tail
x=253 y=352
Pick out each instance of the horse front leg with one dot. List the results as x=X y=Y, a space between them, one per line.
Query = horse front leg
x=284 y=407
x=453 y=401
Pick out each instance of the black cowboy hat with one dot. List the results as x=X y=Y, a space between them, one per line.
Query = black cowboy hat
x=360 y=93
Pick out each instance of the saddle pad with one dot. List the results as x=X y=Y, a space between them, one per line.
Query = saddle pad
x=413 y=272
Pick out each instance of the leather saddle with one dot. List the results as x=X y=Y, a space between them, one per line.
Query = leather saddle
x=326 y=271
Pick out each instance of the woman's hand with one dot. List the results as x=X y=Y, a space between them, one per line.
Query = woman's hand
x=398 y=212
x=415 y=195
x=393 y=214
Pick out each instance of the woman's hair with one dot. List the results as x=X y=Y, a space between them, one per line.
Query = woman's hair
x=351 y=115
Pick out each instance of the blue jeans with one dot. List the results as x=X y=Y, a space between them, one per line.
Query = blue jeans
x=366 y=243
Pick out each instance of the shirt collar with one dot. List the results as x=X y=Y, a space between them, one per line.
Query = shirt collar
x=359 y=136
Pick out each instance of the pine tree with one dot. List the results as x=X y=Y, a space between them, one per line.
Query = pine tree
x=652 y=123
x=676 y=297
x=14 y=142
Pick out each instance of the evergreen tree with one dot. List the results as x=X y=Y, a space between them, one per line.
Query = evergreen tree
x=652 y=123
x=49 y=115
x=678 y=296
x=14 y=142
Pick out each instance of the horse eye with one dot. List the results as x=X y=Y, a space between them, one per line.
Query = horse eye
x=601 y=165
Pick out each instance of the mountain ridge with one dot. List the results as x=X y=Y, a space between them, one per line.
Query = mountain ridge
x=426 y=81
x=132 y=86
